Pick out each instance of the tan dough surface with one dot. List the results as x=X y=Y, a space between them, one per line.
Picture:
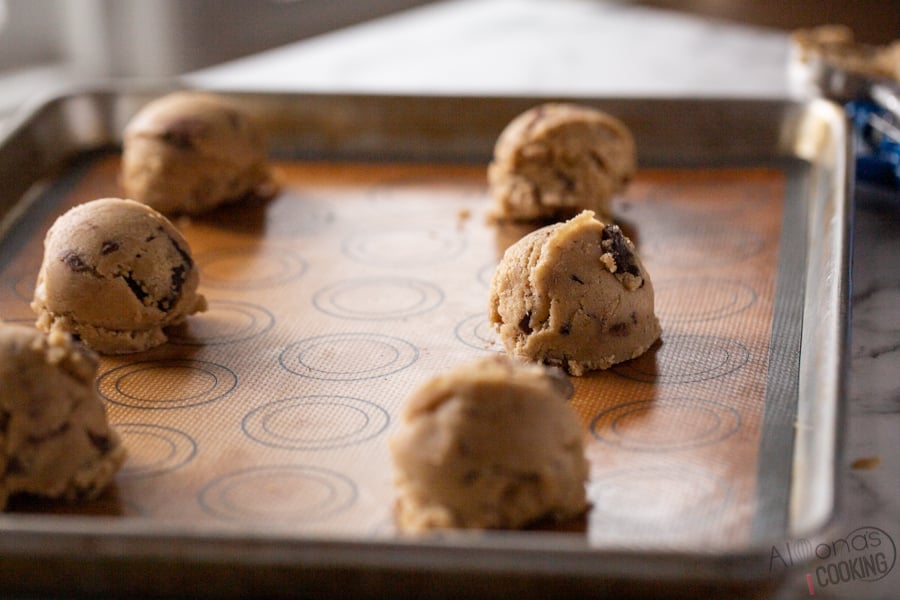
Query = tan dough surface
x=557 y=159
x=54 y=437
x=574 y=295
x=115 y=273
x=189 y=152
x=490 y=444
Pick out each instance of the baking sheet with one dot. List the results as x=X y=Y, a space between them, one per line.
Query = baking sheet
x=266 y=418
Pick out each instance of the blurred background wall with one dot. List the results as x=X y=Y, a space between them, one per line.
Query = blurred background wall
x=29 y=33
x=154 y=38
x=873 y=21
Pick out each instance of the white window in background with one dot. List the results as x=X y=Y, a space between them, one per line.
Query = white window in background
x=30 y=51
x=29 y=33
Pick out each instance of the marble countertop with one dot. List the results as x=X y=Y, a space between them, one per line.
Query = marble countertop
x=872 y=495
x=596 y=48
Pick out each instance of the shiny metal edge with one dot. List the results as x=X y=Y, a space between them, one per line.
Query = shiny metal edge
x=823 y=141
x=669 y=132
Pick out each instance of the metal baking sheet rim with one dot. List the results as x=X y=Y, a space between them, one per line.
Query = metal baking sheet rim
x=51 y=131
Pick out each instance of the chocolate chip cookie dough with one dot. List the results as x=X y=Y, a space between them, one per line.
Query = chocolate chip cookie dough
x=54 y=438
x=115 y=274
x=491 y=444
x=556 y=159
x=189 y=152
x=574 y=295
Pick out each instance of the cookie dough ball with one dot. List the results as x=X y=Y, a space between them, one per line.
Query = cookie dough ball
x=115 y=273
x=189 y=152
x=555 y=160
x=837 y=47
x=574 y=295
x=889 y=60
x=55 y=441
x=822 y=40
x=493 y=445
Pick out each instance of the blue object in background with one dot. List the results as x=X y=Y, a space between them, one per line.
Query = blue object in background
x=877 y=143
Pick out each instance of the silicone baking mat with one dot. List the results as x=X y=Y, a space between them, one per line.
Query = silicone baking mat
x=331 y=302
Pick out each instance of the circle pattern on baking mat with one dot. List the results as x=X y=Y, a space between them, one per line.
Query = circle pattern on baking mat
x=428 y=187
x=373 y=298
x=665 y=424
x=403 y=247
x=486 y=273
x=286 y=215
x=685 y=359
x=166 y=384
x=290 y=216
x=280 y=493
x=23 y=287
x=315 y=422
x=348 y=356
x=223 y=322
x=29 y=322
x=475 y=331
x=153 y=449
x=692 y=300
x=700 y=247
x=250 y=268
x=657 y=496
